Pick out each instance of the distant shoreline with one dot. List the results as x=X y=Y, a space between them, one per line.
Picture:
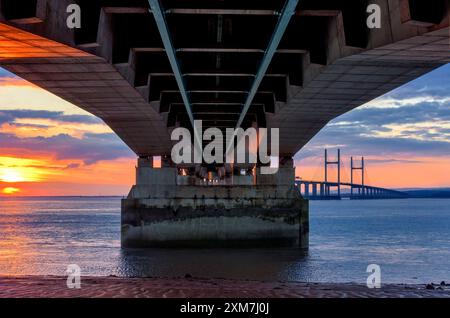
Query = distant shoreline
x=443 y=193
x=61 y=196
x=415 y=194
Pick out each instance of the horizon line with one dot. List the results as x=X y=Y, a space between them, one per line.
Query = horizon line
x=447 y=188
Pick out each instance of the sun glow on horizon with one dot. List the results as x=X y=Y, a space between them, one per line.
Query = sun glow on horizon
x=10 y=190
x=11 y=175
x=13 y=169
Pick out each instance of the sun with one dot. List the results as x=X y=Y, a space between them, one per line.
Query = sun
x=10 y=190
x=11 y=175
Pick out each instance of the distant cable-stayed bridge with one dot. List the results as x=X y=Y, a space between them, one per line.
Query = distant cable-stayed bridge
x=333 y=190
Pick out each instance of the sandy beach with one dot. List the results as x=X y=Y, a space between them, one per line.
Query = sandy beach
x=116 y=287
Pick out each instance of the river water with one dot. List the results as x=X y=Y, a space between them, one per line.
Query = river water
x=409 y=239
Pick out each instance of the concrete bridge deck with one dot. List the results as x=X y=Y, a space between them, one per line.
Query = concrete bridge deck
x=328 y=61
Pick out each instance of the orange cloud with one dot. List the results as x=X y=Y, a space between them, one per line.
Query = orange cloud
x=14 y=169
x=16 y=93
x=41 y=127
x=14 y=81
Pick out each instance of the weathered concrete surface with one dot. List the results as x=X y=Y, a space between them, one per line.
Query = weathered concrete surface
x=214 y=216
x=160 y=212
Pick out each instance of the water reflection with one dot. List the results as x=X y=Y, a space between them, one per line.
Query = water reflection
x=409 y=239
x=252 y=264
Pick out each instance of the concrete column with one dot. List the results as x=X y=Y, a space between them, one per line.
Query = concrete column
x=147 y=175
x=284 y=176
x=166 y=162
x=158 y=212
x=145 y=162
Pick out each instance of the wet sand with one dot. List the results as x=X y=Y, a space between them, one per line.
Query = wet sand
x=116 y=287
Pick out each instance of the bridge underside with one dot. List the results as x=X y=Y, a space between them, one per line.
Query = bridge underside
x=118 y=67
x=327 y=63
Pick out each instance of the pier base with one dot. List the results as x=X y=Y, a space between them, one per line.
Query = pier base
x=171 y=215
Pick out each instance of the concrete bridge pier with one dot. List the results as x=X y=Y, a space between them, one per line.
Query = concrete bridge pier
x=161 y=212
x=314 y=189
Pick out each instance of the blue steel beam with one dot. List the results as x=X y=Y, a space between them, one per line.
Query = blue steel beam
x=282 y=24
x=163 y=29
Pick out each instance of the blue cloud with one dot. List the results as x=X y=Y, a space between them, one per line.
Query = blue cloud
x=435 y=83
x=358 y=132
x=91 y=149
x=8 y=116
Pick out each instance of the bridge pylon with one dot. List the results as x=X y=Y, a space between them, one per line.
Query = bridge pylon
x=361 y=189
x=364 y=191
x=338 y=164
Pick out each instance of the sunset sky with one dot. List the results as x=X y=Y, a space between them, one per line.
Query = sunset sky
x=50 y=147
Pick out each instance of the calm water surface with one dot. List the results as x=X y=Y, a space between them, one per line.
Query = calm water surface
x=409 y=239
